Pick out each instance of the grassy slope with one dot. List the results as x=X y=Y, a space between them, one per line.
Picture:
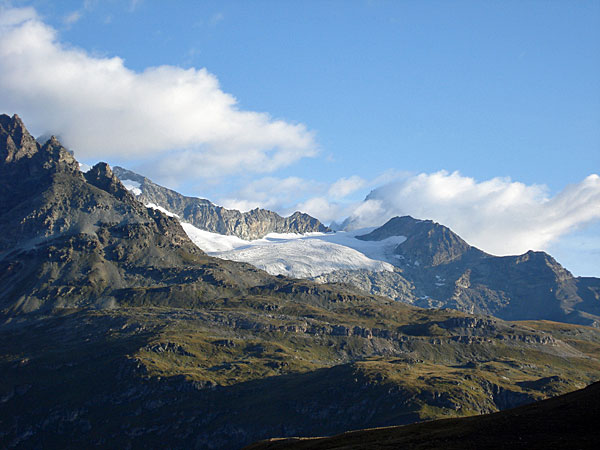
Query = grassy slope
x=232 y=371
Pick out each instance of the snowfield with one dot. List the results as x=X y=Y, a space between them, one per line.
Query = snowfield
x=300 y=255
x=212 y=243
x=295 y=255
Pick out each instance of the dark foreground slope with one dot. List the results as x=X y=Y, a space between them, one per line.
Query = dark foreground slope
x=205 y=215
x=444 y=271
x=117 y=332
x=566 y=422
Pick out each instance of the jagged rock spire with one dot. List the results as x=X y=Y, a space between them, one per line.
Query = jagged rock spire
x=103 y=177
x=15 y=140
x=18 y=145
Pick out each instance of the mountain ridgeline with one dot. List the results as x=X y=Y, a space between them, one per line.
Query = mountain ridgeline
x=118 y=332
x=207 y=216
x=72 y=239
x=435 y=268
x=438 y=269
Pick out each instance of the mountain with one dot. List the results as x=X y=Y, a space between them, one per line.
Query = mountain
x=427 y=244
x=435 y=268
x=72 y=239
x=447 y=272
x=567 y=421
x=117 y=332
x=207 y=216
x=425 y=264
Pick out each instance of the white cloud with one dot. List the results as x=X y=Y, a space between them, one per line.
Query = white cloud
x=322 y=208
x=324 y=201
x=100 y=108
x=346 y=186
x=498 y=215
x=278 y=194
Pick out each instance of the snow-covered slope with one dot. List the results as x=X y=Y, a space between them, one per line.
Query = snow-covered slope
x=132 y=186
x=160 y=208
x=296 y=255
x=212 y=243
x=300 y=256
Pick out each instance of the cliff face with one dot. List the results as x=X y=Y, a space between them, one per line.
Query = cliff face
x=205 y=215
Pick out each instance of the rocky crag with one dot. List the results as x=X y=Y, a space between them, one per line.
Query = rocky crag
x=205 y=215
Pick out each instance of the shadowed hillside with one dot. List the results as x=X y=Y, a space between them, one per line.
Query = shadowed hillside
x=568 y=421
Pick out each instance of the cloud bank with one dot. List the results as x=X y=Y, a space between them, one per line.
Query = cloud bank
x=100 y=108
x=277 y=194
x=499 y=216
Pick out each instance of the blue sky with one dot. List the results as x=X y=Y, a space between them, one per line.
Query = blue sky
x=359 y=95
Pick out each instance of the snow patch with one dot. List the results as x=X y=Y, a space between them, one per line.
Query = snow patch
x=161 y=209
x=212 y=242
x=303 y=258
x=134 y=188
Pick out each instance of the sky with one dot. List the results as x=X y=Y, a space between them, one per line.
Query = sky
x=483 y=116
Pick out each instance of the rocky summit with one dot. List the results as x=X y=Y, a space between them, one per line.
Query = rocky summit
x=118 y=332
x=207 y=216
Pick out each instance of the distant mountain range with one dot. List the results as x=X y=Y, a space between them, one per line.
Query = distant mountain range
x=205 y=215
x=117 y=331
x=434 y=267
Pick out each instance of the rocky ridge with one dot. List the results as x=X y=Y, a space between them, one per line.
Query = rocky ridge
x=205 y=215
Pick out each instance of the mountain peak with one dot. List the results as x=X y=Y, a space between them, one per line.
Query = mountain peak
x=427 y=242
x=103 y=178
x=25 y=165
x=57 y=156
x=18 y=146
x=15 y=141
